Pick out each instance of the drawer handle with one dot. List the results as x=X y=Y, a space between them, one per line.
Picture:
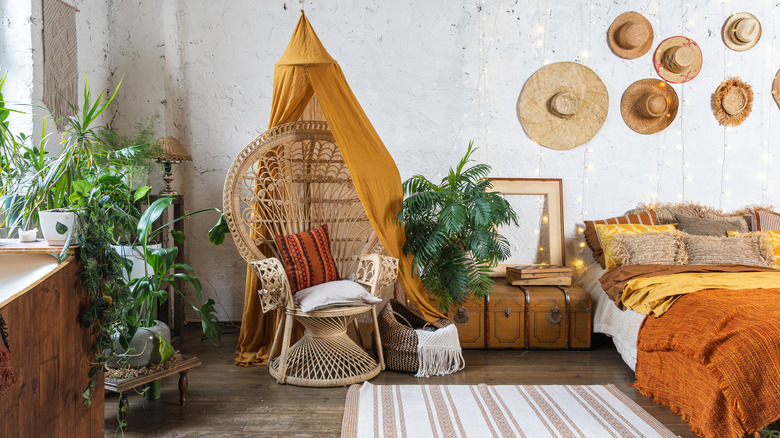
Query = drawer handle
x=507 y=312
x=460 y=316
x=555 y=316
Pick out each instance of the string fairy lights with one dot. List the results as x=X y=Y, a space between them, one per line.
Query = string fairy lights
x=479 y=95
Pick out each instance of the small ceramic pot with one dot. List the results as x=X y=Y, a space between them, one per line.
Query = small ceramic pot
x=144 y=348
x=48 y=222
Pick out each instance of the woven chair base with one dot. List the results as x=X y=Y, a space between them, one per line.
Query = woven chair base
x=325 y=355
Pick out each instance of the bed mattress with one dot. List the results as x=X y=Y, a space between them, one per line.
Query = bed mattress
x=621 y=325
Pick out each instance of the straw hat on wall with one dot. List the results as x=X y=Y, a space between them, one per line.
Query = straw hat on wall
x=678 y=59
x=563 y=105
x=741 y=31
x=776 y=89
x=732 y=102
x=630 y=35
x=649 y=106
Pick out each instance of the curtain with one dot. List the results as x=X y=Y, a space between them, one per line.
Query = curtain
x=304 y=69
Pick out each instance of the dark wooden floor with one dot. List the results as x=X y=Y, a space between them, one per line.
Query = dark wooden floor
x=230 y=401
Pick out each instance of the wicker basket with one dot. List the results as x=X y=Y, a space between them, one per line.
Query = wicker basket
x=399 y=341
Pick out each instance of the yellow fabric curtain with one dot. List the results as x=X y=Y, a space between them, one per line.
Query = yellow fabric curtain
x=304 y=69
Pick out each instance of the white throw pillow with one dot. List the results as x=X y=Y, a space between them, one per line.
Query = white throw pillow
x=334 y=294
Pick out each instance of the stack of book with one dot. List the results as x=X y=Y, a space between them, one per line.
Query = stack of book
x=539 y=275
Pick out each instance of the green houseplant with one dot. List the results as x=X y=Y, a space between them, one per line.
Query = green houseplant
x=451 y=231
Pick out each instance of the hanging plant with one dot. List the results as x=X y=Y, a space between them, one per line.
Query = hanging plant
x=452 y=231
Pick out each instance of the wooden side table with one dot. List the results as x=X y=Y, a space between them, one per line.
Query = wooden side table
x=124 y=385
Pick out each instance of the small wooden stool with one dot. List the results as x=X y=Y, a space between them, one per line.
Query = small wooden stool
x=122 y=386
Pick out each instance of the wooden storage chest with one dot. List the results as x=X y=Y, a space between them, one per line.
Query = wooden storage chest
x=541 y=317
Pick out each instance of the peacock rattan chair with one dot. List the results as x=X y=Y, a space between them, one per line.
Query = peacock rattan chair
x=292 y=179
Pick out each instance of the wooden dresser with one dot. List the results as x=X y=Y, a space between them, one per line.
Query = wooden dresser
x=541 y=317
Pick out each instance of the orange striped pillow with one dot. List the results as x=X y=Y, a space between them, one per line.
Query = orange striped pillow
x=764 y=220
x=307 y=258
x=592 y=237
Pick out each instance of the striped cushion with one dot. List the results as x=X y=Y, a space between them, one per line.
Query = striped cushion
x=766 y=220
x=592 y=237
x=307 y=258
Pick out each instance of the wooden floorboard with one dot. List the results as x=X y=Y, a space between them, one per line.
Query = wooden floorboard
x=225 y=400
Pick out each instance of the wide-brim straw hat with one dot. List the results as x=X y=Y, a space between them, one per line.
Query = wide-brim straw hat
x=649 y=106
x=732 y=102
x=678 y=59
x=630 y=35
x=741 y=31
x=776 y=89
x=563 y=105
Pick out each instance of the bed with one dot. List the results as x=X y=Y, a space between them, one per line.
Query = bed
x=713 y=355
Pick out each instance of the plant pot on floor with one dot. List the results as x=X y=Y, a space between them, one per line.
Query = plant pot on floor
x=146 y=347
x=48 y=222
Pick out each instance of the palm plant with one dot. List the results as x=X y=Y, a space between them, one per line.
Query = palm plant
x=451 y=231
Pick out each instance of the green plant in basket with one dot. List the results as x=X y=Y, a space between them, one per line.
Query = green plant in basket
x=451 y=231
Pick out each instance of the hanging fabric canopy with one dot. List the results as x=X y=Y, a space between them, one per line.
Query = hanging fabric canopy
x=304 y=69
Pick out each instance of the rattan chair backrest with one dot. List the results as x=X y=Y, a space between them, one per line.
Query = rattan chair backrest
x=292 y=179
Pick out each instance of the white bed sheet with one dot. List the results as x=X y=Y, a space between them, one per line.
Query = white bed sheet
x=621 y=325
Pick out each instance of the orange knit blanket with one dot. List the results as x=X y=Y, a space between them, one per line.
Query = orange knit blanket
x=714 y=358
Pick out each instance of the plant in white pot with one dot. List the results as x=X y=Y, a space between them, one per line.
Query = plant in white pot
x=47 y=192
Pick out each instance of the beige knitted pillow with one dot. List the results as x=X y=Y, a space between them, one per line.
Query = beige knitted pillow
x=651 y=248
x=753 y=250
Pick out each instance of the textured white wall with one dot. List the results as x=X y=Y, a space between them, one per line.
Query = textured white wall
x=416 y=68
x=16 y=62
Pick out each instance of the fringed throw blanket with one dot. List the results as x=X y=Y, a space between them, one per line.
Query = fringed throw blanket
x=439 y=352
x=60 y=59
x=7 y=377
x=714 y=358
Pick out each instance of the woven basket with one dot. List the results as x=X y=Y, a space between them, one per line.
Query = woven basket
x=399 y=341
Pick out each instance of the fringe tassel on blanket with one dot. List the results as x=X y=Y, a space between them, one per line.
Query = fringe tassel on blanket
x=439 y=352
x=7 y=377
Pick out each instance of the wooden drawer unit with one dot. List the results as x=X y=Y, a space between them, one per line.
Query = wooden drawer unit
x=538 y=317
x=469 y=317
x=505 y=316
x=557 y=317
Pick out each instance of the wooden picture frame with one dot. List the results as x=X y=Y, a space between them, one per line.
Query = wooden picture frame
x=552 y=189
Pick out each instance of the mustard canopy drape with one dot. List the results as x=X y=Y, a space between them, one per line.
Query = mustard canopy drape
x=304 y=69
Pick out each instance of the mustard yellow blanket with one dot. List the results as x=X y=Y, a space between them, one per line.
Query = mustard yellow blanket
x=656 y=294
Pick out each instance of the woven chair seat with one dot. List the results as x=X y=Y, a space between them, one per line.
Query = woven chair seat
x=326 y=355
x=330 y=313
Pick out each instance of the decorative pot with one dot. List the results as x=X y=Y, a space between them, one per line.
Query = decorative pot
x=135 y=254
x=145 y=348
x=48 y=222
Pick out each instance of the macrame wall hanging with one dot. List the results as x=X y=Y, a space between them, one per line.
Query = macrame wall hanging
x=60 y=59
x=7 y=377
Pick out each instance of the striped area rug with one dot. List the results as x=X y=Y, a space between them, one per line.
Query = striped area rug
x=495 y=411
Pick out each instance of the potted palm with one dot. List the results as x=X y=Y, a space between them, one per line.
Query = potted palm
x=452 y=231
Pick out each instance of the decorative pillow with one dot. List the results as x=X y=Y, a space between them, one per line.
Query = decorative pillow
x=334 y=294
x=307 y=258
x=592 y=237
x=765 y=220
x=651 y=248
x=771 y=237
x=710 y=226
x=607 y=232
x=753 y=250
x=666 y=213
